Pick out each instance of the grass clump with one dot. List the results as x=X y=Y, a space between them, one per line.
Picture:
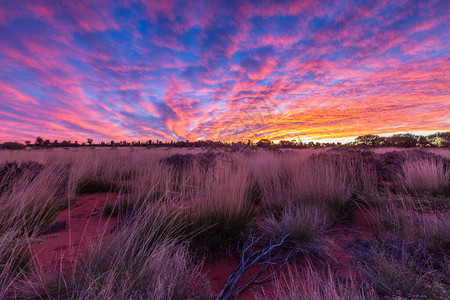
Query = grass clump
x=403 y=268
x=220 y=213
x=15 y=259
x=95 y=184
x=406 y=217
x=425 y=175
x=433 y=229
x=314 y=285
x=30 y=206
x=306 y=225
x=146 y=259
x=215 y=232
x=121 y=208
x=322 y=182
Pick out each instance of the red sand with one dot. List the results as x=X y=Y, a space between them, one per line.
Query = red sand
x=66 y=245
x=219 y=271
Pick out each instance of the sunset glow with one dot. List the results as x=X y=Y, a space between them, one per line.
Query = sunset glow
x=222 y=70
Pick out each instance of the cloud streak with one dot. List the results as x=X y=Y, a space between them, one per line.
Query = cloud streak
x=222 y=70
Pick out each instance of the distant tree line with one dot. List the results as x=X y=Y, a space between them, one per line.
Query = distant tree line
x=404 y=140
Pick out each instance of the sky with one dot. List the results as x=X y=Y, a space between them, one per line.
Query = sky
x=222 y=70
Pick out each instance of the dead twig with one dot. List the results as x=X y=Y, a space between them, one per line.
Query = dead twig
x=273 y=254
x=96 y=211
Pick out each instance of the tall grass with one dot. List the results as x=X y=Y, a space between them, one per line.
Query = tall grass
x=427 y=175
x=15 y=259
x=405 y=269
x=146 y=259
x=315 y=285
x=220 y=212
x=30 y=204
x=179 y=206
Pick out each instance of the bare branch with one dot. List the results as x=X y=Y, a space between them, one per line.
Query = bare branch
x=270 y=255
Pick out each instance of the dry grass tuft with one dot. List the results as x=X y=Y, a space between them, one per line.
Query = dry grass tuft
x=404 y=268
x=427 y=175
x=311 y=284
x=307 y=226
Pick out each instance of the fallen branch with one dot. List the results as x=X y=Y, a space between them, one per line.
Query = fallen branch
x=273 y=254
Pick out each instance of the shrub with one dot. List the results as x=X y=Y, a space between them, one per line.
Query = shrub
x=12 y=146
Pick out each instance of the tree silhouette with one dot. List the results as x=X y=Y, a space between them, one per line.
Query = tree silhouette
x=369 y=140
x=404 y=140
x=39 y=141
x=263 y=143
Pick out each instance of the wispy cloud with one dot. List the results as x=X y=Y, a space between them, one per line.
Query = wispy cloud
x=225 y=70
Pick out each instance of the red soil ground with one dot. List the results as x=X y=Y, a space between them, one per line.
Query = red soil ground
x=218 y=271
x=66 y=245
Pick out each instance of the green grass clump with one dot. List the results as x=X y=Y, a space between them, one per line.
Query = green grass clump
x=89 y=185
x=216 y=232
x=342 y=211
x=121 y=208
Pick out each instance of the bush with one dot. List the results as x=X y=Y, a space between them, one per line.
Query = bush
x=12 y=146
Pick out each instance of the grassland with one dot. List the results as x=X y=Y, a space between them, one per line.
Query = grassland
x=315 y=223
